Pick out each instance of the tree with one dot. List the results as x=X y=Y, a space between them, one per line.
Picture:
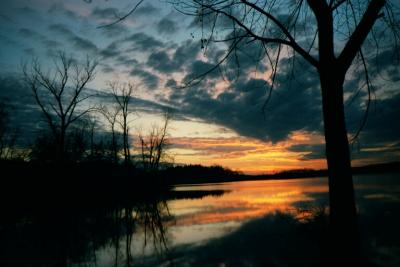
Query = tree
x=111 y=116
x=329 y=35
x=153 y=146
x=122 y=94
x=59 y=93
x=8 y=136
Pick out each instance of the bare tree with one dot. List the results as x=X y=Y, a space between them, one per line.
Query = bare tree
x=122 y=94
x=330 y=36
x=153 y=145
x=8 y=135
x=111 y=116
x=59 y=92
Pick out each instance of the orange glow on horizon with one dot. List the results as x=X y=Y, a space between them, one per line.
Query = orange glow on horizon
x=247 y=155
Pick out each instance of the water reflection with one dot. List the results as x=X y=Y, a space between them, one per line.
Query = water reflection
x=258 y=223
x=247 y=200
x=121 y=234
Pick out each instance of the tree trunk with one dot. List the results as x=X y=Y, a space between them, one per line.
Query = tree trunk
x=343 y=215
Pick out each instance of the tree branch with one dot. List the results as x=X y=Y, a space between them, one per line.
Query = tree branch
x=356 y=40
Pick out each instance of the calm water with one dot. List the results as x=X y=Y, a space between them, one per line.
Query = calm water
x=252 y=223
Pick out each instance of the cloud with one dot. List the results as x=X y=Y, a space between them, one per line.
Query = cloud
x=107 y=69
x=26 y=10
x=186 y=52
x=126 y=61
x=109 y=13
x=83 y=44
x=239 y=105
x=171 y=83
x=60 y=8
x=144 y=42
x=167 y=26
x=161 y=62
x=113 y=31
x=77 y=42
x=311 y=151
x=382 y=123
x=181 y=58
x=7 y=40
x=147 y=9
x=6 y=18
x=25 y=114
x=199 y=68
x=149 y=79
x=111 y=51
x=28 y=33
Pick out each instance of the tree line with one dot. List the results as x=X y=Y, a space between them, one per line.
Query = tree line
x=70 y=134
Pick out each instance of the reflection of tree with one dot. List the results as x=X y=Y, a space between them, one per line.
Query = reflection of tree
x=64 y=234
x=148 y=216
x=59 y=236
x=152 y=217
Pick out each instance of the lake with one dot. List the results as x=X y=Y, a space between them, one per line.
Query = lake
x=248 y=223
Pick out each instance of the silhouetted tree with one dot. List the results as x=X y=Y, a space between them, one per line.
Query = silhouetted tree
x=59 y=92
x=329 y=35
x=122 y=94
x=153 y=145
x=8 y=135
x=111 y=115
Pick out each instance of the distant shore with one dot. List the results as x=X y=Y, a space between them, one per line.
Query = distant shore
x=197 y=174
x=100 y=183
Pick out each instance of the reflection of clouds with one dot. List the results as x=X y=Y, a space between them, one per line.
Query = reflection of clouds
x=247 y=200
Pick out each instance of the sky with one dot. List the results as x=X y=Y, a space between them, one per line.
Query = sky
x=218 y=120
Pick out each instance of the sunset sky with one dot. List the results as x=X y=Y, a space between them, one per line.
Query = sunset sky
x=220 y=119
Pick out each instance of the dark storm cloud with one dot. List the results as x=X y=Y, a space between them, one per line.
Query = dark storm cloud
x=186 y=52
x=167 y=26
x=383 y=121
x=316 y=151
x=150 y=80
x=138 y=104
x=199 y=68
x=78 y=42
x=161 y=62
x=144 y=42
x=181 y=58
x=24 y=114
x=293 y=106
x=247 y=57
